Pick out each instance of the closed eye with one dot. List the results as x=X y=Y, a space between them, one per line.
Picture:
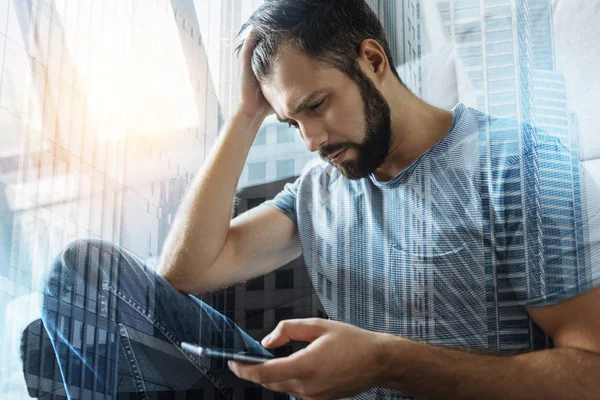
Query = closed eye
x=316 y=106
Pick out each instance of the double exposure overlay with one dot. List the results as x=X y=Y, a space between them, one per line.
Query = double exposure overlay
x=109 y=109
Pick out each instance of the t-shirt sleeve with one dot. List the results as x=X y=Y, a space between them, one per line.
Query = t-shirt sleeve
x=285 y=201
x=559 y=233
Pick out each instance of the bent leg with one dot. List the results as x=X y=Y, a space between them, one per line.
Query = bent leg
x=116 y=326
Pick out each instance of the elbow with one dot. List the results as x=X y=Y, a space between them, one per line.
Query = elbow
x=176 y=276
x=171 y=278
x=179 y=282
x=184 y=271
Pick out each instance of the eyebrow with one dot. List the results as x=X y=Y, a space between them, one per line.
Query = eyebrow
x=301 y=104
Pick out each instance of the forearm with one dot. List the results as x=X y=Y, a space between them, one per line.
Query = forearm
x=434 y=372
x=201 y=225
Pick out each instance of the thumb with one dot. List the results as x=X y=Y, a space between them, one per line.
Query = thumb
x=306 y=330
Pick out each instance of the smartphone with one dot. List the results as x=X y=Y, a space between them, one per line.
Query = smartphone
x=245 y=357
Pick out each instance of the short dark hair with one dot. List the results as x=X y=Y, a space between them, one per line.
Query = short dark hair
x=329 y=31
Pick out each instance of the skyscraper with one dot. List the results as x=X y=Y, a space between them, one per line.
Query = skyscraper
x=507 y=50
x=401 y=22
x=107 y=111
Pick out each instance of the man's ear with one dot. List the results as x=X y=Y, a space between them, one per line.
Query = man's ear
x=373 y=58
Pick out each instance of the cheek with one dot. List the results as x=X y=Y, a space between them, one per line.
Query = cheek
x=356 y=116
x=346 y=124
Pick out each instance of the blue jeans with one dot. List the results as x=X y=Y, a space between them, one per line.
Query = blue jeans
x=116 y=327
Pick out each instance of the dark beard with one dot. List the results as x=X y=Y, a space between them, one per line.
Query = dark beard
x=371 y=153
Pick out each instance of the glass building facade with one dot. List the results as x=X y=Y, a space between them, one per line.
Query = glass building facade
x=508 y=53
x=109 y=108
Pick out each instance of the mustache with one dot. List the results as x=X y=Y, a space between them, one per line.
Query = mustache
x=331 y=149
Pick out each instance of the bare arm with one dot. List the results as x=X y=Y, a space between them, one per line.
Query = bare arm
x=259 y=241
x=571 y=370
x=435 y=372
x=201 y=226
x=202 y=237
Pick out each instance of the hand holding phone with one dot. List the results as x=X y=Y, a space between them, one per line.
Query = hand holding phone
x=245 y=357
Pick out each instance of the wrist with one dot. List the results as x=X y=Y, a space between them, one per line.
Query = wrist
x=389 y=364
x=251 y=118
x=384 y=344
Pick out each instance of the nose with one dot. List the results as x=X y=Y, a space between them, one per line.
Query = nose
x=313 y=134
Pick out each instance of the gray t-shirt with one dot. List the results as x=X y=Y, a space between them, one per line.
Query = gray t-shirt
x=494 y=218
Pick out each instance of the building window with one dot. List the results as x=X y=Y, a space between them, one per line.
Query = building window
x=257 y=171
x=320 y=279
x=257 y=201
x=255 y=284
x=500 y=47
x=499 y=35
x=284 y=313
x=261 y=138
x=284 y=279
x=285 y=168
x=500 y=60
x=470 y=51
x=468 y=32
x=285 y=134
x=251 y=393
x=254 y=318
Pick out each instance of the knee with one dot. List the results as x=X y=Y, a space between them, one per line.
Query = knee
x=86 y=251
x=82 y=258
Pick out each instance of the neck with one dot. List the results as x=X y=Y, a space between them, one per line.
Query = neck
x=416 y=127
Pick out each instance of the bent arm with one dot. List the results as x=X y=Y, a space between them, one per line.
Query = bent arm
x=259 y=241
x=571 y=370
x=201 y=226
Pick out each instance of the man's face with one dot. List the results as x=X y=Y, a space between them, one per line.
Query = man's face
x=347 y=121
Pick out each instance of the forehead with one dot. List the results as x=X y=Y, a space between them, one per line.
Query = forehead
x=295 y=75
